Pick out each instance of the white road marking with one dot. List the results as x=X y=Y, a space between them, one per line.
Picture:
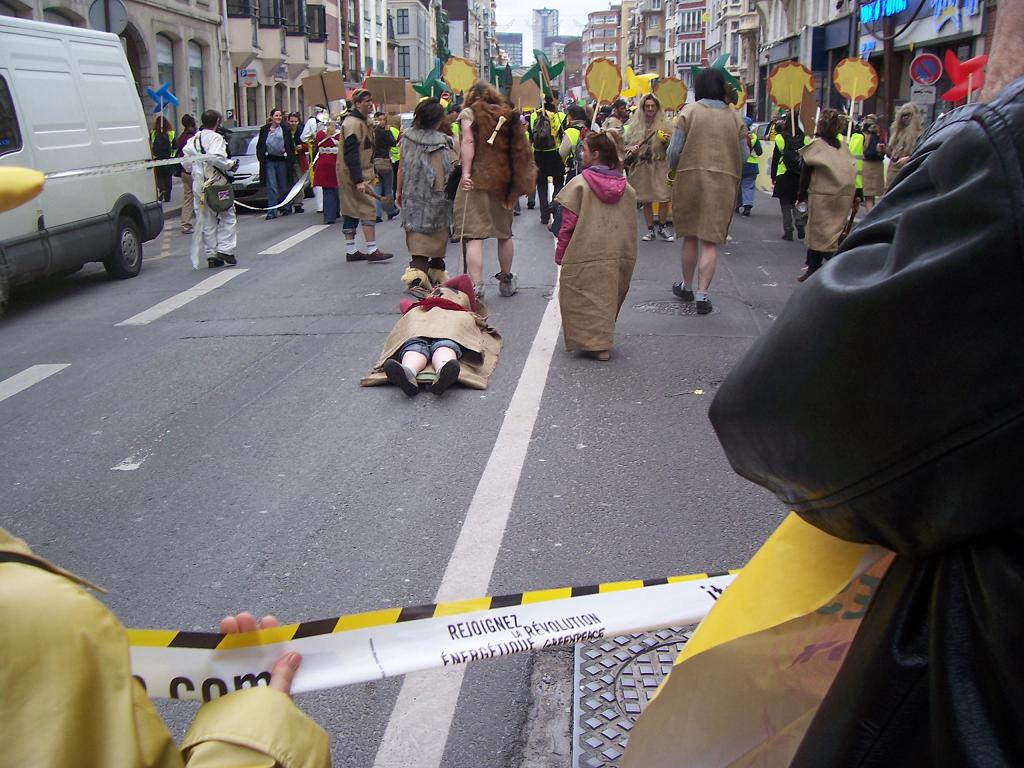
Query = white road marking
x=181 y=299
x=765 y=271
x=418 y=728
x=130 y=464
x=294 y=240
x=22 y=381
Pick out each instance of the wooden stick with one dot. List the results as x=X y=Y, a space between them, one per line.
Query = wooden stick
x=849 y=124
x=970 y=81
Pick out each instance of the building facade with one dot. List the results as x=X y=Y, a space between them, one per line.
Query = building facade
x=688 y=50
x=647 y=43
x=512 y=44
x=414 y=54
x=602 y=36
x=545 y=27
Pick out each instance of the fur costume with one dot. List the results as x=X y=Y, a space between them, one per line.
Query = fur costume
x=505 y=167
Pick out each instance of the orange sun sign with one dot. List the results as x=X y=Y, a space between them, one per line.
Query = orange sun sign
x=787 y=83
x=671 y=92
x=459 y=73
x=603 y=80
x=855 y=79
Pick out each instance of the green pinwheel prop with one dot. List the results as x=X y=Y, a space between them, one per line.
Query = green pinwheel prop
x=501 y=78
x=431 y=86
x=720 y=63
x=542 y=72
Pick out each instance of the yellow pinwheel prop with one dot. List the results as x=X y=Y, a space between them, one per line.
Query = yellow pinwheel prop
x=855 y=79
x=786 y=86
x=671 y=92
x=603 y=80
x=459 y=73
x=637 y=85
x=18 y=186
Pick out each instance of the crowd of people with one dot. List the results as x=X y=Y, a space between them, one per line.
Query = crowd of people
x=460 y=171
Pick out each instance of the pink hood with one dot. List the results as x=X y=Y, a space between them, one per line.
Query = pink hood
x=608 y=185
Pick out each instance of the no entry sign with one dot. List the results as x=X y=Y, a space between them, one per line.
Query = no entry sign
x=926 y=69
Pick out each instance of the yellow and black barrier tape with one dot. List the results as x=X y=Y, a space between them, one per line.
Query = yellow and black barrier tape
x=374 y=644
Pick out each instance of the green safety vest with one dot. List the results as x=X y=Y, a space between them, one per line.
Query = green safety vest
x=857 y=150
x=753 y=158
x=556 y=119
x=394 y=151
x=780 y=142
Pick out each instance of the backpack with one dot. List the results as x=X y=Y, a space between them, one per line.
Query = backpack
x=543 y=135
x=162 y=149
x=791 y=154
x=574 y=164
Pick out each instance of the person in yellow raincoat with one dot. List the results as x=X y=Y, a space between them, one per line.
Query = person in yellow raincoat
x=70 y=699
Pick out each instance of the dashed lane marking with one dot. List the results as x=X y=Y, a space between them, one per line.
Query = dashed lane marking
x=19 y=382
x=181 y=299
x=294 y=240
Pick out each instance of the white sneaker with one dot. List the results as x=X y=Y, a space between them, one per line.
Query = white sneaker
x=478 y=289
x=649 y=236
x=508 y=284
x=666 y=236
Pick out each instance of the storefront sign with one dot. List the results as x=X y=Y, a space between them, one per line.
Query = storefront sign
x=946 y=11
x=926 y=69
x=281 y=72
x=922 y=94
x=878 y=9
x=867 y=47
x=247 y=78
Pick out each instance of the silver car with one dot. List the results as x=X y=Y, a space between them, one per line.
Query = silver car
x=249 y=187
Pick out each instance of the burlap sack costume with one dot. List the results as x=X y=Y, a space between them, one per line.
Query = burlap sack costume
x=708 y=173
x=354 y=203
x=830 y=196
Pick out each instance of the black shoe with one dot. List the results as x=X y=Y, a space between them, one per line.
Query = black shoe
x=788 y=236
x=746 y=210
x=299 y=209
x=447 y=376
x=401 y=377
x=531 y=206
x=704 y=307
x=379 y=219
x=682 y=292
x=286 y=211
x=544 y=222
x=800 y=232
x=376 y=256
x=227 y=258
x=213 y=263
x=393 y=214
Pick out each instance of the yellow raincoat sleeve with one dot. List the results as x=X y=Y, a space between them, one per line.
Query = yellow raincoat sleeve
x=69 y=697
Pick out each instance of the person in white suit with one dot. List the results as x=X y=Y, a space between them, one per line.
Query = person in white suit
x=205 y=156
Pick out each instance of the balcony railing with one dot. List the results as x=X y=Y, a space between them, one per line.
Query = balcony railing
x=270 y=18
x=296 y=28
x=242 y=9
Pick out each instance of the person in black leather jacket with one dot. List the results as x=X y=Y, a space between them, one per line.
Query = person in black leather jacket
x=900 y=422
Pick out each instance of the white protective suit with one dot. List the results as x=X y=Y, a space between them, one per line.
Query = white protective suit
x=216 y=232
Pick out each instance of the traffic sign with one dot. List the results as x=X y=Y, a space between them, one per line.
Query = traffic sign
x=247 y=78
x=922 y=94
x=108 y=16
x=926 y=69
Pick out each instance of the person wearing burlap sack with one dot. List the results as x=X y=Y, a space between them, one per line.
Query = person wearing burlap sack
x=497 y=168
x=356 y=177
x=647 y=136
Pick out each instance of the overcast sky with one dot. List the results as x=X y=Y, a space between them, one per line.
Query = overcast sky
x=517 y=16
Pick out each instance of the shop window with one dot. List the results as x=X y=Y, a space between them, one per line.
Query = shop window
x=165 y=70
x=195 y=77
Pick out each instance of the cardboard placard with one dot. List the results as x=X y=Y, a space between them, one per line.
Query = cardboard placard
x=387 y=90
x=525 y=95
x=323 y=89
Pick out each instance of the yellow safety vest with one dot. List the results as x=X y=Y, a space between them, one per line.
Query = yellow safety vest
x=555 y=119
x=394 y=151
x=780 y=142
x=752 y=158
x=456 y=128
x=574 y=135
x=857 y=150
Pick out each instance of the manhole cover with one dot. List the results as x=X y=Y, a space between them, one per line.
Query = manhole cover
x=614 y=679
x=668 y=307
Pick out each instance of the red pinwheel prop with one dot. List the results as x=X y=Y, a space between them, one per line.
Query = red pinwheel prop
x=967 y=76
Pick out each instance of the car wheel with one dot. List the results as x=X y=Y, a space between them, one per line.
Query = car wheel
x=126 y=258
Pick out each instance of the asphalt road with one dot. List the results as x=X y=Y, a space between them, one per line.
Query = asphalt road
x=223 y=457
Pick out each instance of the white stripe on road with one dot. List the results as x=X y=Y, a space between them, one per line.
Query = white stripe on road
x=294 y=240
x=419 y=724
x=22 y=381
x=181 y=299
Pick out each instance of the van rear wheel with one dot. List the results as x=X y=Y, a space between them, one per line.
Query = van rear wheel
x=126 y=258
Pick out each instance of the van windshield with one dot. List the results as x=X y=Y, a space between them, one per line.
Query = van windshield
x=239 y=140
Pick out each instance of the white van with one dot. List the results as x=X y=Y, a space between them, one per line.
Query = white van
x=68 y=101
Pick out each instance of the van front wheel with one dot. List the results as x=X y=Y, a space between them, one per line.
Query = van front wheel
x=126 y=258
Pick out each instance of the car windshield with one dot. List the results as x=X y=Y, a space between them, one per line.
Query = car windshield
x=239 y=141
